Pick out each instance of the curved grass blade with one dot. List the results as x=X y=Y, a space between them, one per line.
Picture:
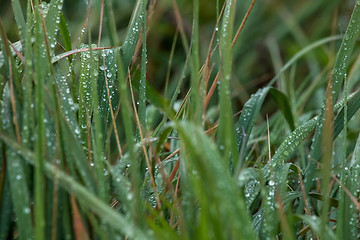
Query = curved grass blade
x=314 y=223
x=206 y=168
x=248 y=117
x=301 y=53
x=88 y=199
x=338 y=75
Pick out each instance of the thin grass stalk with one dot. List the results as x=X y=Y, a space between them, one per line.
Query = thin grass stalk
x=197 y=90
x=98 y=156
x=327 y=146
x=129 y=135
x=142 y=88
x=39 y=178
x=28 y=117
x=226 y=137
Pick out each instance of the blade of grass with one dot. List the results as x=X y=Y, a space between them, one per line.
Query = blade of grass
x=41 y=72
x=326 y=160
x=314 y=223
x=19 y=17
x=203 y=158
x=247 y=120
x=86 y=198
x=142 y=87
x=283 y=103
x=338 y=74
x=15 y=169
x=226 y=137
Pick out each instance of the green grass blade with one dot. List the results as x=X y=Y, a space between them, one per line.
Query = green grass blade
x=197 y=90
x=28 y=115
x=338 y=75
x=64 y=32
x=301 y=53
x=248 y=117
x=6 y=209
x=97 y=134
x=142 y=87
x=226 y=134
x=206 y=168
x=353 y=106
x=284 y=105
x=132 y=34
x=314 y=223
x=347 y=227
x=88 y=199
x=17 y=178
x=345 y=51
x=41 y=72
x=19 y=17
x=107 y=73
x=85 y=95
x=52 y=21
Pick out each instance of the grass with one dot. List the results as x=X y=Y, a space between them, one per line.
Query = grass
x=225 y=120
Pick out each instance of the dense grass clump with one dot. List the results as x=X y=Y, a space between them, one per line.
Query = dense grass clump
x=180 y=120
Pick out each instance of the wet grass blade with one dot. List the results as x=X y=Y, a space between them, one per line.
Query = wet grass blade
x=203 y=160
x=52 y=21
x=314 y=223
x=142 y=87
x=248 y=117
x=226 y=134
x=64 y=32
x=347 y=221
x=338 y=75
x=88 y=199
x=132 y=34
x=19 y=17
x=85 y=95
x=16 y=176
x=41 y=68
